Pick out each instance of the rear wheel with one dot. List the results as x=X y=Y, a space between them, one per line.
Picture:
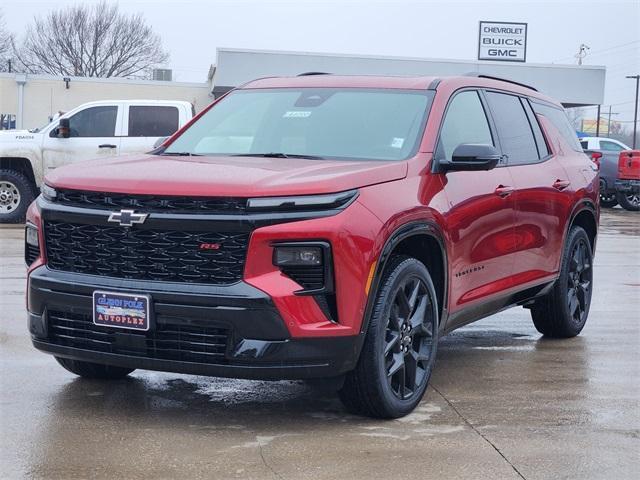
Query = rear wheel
x=400 y=345
x=563 y=312
x=630 y=201
x=94 y=370
x=16 y=194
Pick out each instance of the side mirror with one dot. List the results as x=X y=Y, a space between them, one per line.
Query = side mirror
x=63 y=130
x=472 y=156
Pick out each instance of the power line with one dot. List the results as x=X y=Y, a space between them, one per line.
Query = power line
x=600 y=51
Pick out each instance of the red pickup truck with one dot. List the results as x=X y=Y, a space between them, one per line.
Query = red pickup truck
x=628 y=180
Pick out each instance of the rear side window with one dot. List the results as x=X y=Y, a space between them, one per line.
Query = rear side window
x=514 y=128
x=465 y=122
x=152 y=121
x=94 y=122
x=543 y=151
x=559 y=119
x=585 y=145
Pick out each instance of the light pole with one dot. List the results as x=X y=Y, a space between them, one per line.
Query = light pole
x=635 y=115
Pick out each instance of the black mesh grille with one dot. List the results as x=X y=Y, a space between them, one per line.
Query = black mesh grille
x=30 y=253
x=167 y=341
x=152 y=203
x=310 y=278
x=165 y=255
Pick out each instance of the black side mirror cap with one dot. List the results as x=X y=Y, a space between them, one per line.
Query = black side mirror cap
x=472 y=157
x=63 y=131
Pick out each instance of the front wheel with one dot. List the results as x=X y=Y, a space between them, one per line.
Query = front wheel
x=16 y=193
x=563 y=312
x=399 y=350
x=629 y=201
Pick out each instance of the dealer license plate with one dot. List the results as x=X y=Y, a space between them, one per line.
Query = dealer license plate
x=121 y=310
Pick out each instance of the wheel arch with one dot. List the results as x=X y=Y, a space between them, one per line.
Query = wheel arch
x=22 y=165
x=424 y=241
x=585 y=216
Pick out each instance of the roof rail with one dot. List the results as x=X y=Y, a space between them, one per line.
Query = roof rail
x=306 y=74
x=490 y=77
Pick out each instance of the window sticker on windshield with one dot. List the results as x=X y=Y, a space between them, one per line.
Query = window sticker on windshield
x=397 y=142
x=296 y=114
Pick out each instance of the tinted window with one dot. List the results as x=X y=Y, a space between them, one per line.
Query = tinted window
x=610 y=146
x=152 y=121
x=465 y=122
x=318 y=122
x=585 y=145
x=543 y=151
x=559 y=119
x=94 y=122
x=514 y=129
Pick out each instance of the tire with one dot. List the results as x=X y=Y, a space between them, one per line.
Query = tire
x=16 y=194
x=629 y=202
x=379 y=386
x=94 y=370
x=563 y=312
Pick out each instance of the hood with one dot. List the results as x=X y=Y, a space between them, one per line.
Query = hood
x=222 y=176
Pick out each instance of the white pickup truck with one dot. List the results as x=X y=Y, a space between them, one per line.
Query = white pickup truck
x=92 y=130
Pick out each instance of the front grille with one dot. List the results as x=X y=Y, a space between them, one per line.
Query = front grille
x=163 y=255
x=152 y=203
x=168 y=341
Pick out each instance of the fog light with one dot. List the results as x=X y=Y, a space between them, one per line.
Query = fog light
x=298 y=256
x=31 y=235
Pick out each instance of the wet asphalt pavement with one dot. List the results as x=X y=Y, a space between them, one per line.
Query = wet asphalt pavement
x=503 y=403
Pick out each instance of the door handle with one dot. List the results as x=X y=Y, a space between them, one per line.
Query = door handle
x=503 y=191
x=107 y=145
x=561 y=184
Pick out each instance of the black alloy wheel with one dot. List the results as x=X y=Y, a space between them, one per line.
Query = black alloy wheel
x=408 y=338
x=579 y=281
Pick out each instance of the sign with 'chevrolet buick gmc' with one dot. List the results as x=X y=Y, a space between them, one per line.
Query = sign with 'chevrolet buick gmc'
x=503 y=41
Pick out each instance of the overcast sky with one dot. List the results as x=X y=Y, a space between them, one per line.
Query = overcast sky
x=192 y=29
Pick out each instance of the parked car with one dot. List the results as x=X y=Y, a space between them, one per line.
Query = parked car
x=602 y=143
x=318 y=226
x=608 y=165
x=628 y=180
x=93 y=130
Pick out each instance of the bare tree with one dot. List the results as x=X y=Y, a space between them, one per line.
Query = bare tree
x=86 y=41
x=5 y=45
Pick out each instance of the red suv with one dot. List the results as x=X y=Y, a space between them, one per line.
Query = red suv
x=318 y=226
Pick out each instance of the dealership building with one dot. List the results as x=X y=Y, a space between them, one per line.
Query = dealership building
x=28 y=100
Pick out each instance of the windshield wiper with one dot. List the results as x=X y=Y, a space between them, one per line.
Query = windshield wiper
x=182 y=154
x=278 y=155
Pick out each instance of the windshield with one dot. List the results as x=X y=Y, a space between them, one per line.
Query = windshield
x=310 y=122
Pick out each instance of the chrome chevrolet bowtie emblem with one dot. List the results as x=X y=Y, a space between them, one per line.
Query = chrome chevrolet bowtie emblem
x=126 y=218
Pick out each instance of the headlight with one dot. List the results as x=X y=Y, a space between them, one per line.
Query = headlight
x=304 y=202
x=48 y=192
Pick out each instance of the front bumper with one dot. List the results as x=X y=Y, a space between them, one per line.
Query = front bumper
x=228 y=331
x=628 y=186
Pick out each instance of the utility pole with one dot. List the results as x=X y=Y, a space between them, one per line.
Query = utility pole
x=635 y=115
x=609 y=121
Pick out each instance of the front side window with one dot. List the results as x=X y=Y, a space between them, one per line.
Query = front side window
x=311 y=122
x=94 y=122
x=465 y=122
x=152 y=121
x=514 y=129
x=610 y=146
